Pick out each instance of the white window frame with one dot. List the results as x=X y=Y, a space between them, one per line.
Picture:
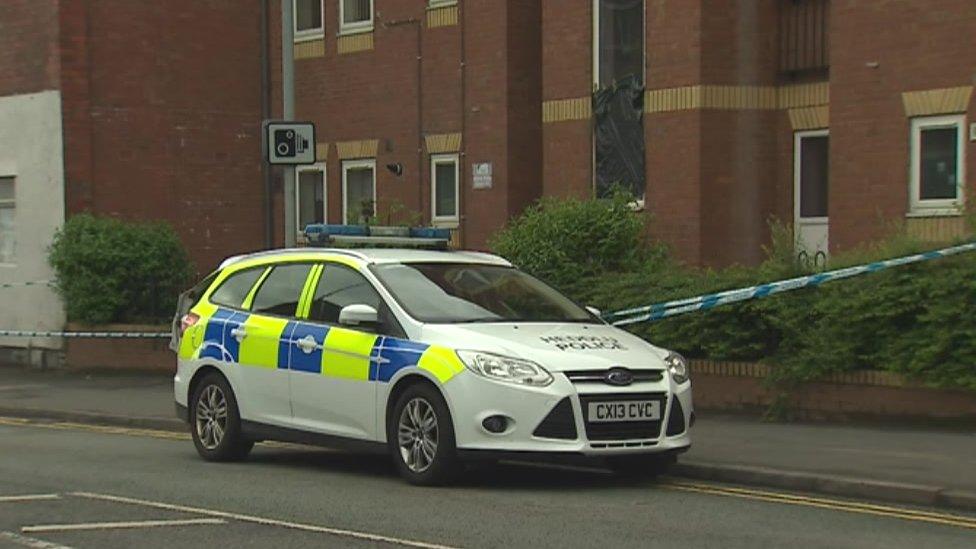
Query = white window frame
x=798 y=138
x=317 y=167
x=351 y=165
x=596 y=45
x=432 y=4
x=918 y=206
x=449 y=221
x=358 y=26
x=12 y=203
x=308 y=34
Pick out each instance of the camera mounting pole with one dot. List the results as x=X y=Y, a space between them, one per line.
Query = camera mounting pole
x=288 y=110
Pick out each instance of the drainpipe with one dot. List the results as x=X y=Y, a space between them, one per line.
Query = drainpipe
x=288 y=110
x=265 y=115
x=462 y=157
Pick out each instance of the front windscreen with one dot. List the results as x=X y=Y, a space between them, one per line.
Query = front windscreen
x=449 y=293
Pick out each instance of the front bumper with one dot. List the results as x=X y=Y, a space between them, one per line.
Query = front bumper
x=535 y=425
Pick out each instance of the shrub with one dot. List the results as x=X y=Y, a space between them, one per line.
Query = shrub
x=568 y=241
x=108 y=270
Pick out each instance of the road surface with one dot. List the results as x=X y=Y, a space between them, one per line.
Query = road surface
x=70 y=485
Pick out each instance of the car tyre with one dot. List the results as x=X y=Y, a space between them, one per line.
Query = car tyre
x=215 y=421
x=420 y=434
x=641 y=466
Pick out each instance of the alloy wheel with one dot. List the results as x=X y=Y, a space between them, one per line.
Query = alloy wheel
x=418 y=435
x=211 y=417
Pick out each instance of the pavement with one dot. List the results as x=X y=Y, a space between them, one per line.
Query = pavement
x=929 y=467
x=75 y=486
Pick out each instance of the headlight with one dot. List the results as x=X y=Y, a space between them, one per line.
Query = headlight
x=504 y=368
x=678 y=367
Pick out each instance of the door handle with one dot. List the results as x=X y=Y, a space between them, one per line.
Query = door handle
x=307 y=344
x=239 y=334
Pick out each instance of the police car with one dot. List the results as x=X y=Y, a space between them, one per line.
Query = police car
x=438 y=357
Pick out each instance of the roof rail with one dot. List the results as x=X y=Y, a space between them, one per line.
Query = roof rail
x=286 y=251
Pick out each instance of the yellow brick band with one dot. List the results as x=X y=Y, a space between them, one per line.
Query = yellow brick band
x=442 y=17
x=937 y=101
x=310 y=49
x=353 y=43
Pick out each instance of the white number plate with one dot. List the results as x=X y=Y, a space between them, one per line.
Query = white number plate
x=624 y=410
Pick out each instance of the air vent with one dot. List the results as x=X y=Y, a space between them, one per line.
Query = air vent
x=676 y=419
x=559 y=424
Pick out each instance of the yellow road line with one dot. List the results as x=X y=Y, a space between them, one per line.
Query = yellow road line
x=713 y=489
x=128 y=431
x=826 y=503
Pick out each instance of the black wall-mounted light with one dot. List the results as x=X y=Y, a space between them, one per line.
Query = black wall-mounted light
x=396 y=168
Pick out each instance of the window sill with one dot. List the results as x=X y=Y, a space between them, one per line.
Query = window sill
x=934 y=212
x=309 y=37
x=439 y=5
x=445 y=223
x=351 y=31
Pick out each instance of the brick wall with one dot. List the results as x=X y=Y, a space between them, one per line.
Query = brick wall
x=28 y=46
x=567 y=73
x=917 y=46
x=162 y=118
x=470 y=81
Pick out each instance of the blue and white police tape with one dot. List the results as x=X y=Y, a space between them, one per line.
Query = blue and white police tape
x=659 y=311
x=23 y=284
x=108 y=335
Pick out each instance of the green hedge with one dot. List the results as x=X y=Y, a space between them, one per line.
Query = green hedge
x=108 y=270
x=568 y=241
x=918 y=320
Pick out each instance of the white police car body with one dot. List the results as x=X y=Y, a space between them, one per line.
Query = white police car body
x=438 y=356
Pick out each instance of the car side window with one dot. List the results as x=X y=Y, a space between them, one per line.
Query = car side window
x=340 y=286
x=281 y=290
x=235 y=288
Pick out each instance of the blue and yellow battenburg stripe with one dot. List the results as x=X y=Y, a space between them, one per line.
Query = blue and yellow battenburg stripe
x=338 y=352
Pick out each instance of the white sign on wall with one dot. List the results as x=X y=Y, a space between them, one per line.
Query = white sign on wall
x=289 y=142
x=481 y=175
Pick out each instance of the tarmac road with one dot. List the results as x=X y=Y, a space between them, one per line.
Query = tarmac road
x=69 y=485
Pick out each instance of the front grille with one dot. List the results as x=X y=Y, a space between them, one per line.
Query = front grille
x=559 y=423
x=599 y=376
x=623 y=430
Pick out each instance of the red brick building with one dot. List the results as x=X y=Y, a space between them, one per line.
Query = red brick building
x=827 y=115
x=411 y=95
x=138 y=110
x=842 y=117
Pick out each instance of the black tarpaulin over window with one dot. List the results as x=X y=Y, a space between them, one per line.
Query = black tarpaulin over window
x=619 y=135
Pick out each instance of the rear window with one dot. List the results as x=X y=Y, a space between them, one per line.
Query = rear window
x=235 y=288
x=281 y=290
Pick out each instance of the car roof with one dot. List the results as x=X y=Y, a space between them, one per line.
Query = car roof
x=374 y=256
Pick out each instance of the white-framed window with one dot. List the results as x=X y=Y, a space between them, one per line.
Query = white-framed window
x=938 y=164
x=358 y=190
x=309 y=19
x=618 y=41
x=8 y=227
x=444 y=188
x=355 y=16
x=311 y=195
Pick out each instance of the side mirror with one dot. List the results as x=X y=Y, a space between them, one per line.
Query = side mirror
x=359 y=316
x=593 y=310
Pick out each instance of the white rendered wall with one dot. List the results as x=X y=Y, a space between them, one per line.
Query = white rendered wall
x=31 y=150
